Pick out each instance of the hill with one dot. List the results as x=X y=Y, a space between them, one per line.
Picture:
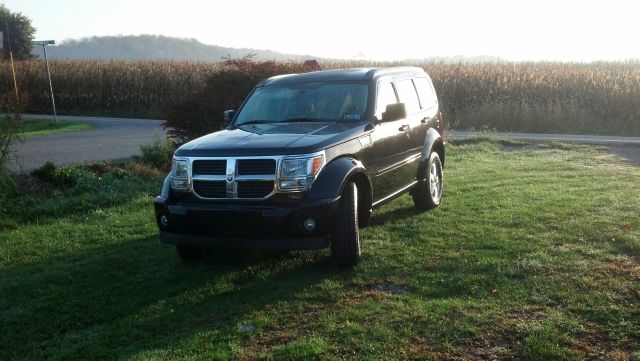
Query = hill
x=153 y=47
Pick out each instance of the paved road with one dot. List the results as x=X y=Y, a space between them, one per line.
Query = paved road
x=588 y=139
x=628 y=148
x=112 y=138
x=117 y=138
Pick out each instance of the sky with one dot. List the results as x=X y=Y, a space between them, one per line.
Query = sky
x=518 y=30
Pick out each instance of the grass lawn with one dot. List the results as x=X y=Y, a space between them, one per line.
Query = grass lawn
x=534 y=254
x=33 y=127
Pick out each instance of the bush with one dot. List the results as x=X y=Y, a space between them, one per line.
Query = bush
x=158 y=154
x=46 y=173
x=67 y=177
x=203 y=112
x=7 y=189
x=144 y=171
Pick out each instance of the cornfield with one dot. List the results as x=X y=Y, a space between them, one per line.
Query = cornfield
x=117 y=88
x=597 y=98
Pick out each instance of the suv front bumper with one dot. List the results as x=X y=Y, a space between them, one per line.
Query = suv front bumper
x=246 y=225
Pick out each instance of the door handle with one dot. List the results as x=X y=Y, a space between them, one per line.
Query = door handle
x=426 y=120
x=404 y=128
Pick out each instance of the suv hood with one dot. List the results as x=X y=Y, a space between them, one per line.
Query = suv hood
x=271 y=139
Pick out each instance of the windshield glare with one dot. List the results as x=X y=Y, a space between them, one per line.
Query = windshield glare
x=305 y=102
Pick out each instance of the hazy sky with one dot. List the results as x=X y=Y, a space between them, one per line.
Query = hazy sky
x=382 y=30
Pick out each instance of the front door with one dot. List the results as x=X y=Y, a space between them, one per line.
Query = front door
x=389 y=144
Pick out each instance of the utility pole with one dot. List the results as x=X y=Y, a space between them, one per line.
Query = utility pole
x=44 y=44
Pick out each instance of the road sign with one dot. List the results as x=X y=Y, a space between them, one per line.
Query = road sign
x=43 y=42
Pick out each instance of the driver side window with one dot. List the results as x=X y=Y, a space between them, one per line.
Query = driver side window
x=386 y=96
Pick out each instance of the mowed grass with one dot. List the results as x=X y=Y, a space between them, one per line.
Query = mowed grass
x=534 y=254
x=33 y=127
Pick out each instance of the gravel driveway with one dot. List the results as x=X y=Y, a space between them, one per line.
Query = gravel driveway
x=112 y=138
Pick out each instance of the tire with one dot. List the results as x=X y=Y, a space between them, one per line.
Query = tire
x=428 y=193
x=345 y=243
x=189 y=254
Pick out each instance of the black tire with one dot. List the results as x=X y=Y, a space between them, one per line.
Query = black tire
x=345 y=243
x=425 y=197
x=190 y=254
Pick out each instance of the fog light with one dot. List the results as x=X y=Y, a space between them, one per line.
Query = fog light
x=309 y=224
x=164 y=221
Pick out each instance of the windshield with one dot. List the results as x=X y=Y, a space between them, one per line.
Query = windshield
x=319 y=101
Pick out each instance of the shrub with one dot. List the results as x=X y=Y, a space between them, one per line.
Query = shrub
x=143 y=171
x=158 y=154
x=64 y=176
x=46 y=173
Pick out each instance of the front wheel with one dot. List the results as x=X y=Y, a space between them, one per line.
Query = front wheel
x=428 y=193
x=345 y=243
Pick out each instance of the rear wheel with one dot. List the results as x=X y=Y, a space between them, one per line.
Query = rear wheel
x=428 y=193
x=190 y=254
x=345 y=243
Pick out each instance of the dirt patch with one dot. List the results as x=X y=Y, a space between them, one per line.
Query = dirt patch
x=630 y=153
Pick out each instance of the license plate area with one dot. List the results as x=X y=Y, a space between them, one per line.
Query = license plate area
x=226 y=222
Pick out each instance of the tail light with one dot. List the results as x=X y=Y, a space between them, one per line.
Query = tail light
x=441 y=124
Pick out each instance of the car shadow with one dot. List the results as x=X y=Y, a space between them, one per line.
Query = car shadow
x=125 y=299
x=380 y=217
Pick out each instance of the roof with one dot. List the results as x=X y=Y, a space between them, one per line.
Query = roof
x=355 y=74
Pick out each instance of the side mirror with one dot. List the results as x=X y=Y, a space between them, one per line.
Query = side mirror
x=228 y=115
x=393 y=112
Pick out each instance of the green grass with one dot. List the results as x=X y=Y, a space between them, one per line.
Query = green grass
x=532 y=255
x=33 y=127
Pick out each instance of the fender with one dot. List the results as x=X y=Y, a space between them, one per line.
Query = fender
x=430 y=139
x=164 y=193
x=333 y=177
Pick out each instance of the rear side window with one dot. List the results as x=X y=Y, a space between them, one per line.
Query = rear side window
x=428 y=98
x=408 y=96
x=386 y=96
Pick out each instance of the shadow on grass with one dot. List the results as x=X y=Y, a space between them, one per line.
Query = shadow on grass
x=380 y=217
x=125 y=299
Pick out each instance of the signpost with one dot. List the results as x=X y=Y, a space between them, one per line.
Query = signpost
x=44 y=44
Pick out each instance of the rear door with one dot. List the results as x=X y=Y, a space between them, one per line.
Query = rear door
x=414 y=130
x=428 y=104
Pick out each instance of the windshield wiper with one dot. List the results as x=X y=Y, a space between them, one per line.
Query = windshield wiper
x=303 y=119
x=255 y=121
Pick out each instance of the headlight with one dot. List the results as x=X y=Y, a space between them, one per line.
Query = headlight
x=180 y=175
x=297 y=174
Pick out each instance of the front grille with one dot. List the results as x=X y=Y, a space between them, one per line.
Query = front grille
x=251 y=178
x=210 y=189
x=209 y=167
x=256 y=166
x=254 y=189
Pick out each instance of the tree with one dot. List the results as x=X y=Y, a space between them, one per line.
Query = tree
x=17 y=33
x=198 y=114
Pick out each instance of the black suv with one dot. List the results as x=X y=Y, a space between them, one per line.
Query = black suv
x=304 y=161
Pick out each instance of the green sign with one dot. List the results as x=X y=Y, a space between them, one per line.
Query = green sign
x=43 y=42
